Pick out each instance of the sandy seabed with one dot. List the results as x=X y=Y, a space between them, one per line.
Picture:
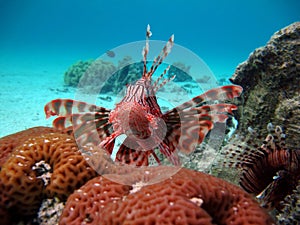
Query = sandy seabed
x=22 y=99
x=28 y=80
x=23 y=96
x=27 y=87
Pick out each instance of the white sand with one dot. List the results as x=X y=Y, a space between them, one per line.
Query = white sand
x=28 y=81
x=22 y=100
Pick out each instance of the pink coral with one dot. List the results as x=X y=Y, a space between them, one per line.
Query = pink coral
x=189 y=197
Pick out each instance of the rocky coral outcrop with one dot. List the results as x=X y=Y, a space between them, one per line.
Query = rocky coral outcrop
x=188 y=197
x=271 y=81
x=290 y=214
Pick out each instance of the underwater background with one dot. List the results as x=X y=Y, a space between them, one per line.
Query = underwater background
x=235 y=148
x=40 y=40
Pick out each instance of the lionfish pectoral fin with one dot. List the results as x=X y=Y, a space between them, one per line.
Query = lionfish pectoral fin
x=88 y=133
x=131 y=153
x=87 y=122
x=217 y=108
x=194 y=132
x=109 y=142
x=59 y=107
x=62 y=122
x=223 y=93
x=186 y=129
x=216 y=94
x=67 y=107
x=168 y=149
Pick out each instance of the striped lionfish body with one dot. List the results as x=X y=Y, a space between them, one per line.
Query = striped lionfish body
x=270 y=171
x=140 y=118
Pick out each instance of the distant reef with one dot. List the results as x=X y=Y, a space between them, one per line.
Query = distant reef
x=99 y=76
x=271 y=81
x=74 y=73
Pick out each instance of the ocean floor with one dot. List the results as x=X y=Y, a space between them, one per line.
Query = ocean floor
x=22 y=98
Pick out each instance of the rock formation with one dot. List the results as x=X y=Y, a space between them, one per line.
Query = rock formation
x=271 y=81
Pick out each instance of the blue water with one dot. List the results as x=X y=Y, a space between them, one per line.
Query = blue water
x=222 y=33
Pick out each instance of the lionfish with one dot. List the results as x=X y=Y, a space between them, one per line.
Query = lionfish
x=270 y=171
x=140 y=118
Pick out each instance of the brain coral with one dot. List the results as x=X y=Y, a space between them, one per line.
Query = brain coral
x=8 y=143
x=43 y=166
x=189 y=197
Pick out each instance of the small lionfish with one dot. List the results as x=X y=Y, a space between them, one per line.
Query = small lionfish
x=140 y=118
x=270 y=171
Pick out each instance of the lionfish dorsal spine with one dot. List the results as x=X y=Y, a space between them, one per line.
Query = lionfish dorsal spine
x=159 y=78
x=163 y=54
x=146 y=50
x=159 y=59
x=156 y=84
